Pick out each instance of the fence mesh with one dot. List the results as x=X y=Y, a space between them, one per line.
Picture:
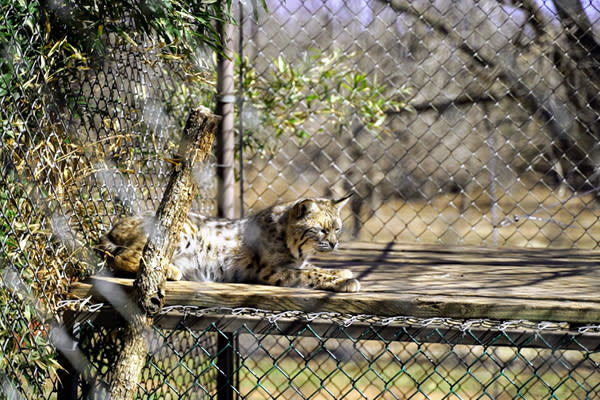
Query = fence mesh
x=497 y=143
x=452 y=121
x=83 y=141
x=294 y=355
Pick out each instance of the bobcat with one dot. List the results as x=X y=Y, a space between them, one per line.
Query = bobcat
x=269 y=247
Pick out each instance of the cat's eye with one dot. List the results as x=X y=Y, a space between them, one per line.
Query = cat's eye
x=323 y=231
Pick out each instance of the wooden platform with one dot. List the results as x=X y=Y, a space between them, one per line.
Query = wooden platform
x=420 y=281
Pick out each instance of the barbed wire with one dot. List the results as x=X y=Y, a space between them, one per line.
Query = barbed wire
x=347 y=320
x=78 y=305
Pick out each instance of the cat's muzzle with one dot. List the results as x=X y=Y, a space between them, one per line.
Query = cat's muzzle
x=326 y=246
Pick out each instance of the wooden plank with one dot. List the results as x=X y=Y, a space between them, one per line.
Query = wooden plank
x=421 y=281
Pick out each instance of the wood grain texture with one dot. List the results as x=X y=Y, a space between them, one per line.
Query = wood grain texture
x=422 y=281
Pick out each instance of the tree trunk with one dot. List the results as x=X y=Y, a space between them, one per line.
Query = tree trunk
x=149 y=285
x=555 y=76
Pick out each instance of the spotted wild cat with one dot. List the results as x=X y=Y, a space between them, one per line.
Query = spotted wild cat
x=270 y=247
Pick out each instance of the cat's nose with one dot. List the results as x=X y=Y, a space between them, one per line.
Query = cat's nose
x=333 y=245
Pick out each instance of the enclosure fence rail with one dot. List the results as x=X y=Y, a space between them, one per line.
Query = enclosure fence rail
x=250 y=353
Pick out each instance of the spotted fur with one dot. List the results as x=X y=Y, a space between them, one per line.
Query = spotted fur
x=270 y=247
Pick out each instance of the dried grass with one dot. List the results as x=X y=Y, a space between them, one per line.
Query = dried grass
x=60 y=208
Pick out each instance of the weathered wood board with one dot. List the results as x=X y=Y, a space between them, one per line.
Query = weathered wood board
x=421 y=281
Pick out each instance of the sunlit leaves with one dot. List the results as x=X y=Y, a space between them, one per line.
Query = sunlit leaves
x=326 y=91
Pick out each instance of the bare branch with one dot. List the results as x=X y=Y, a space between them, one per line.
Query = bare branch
x=150 y=282
x=507 y=63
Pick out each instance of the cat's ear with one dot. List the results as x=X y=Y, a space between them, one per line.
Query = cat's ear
x=305 y=207
x=340 y=203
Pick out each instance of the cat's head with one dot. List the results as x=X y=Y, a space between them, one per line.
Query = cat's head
x=314 y=225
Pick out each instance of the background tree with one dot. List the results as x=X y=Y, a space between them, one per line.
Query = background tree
x=545 y=59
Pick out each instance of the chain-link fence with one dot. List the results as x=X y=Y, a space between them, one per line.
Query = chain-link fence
x=458 y=122
x=497 y=142
x=85 y=139
x=205 y=353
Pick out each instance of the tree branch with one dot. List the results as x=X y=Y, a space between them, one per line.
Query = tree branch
x=150 y=282
x=441 y=107
x=505 y=67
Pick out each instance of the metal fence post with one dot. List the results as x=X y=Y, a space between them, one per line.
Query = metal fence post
x=225 y=134
x=68 y=374
x=225 y=196
x=226 y=364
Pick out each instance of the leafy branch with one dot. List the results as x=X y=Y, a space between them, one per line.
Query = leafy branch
x=181 y=25
x=43 y=45
x=324 y=91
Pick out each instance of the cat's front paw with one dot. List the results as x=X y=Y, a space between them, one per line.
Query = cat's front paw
x=173 y=273
x=343 y=273
x=349 y=286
